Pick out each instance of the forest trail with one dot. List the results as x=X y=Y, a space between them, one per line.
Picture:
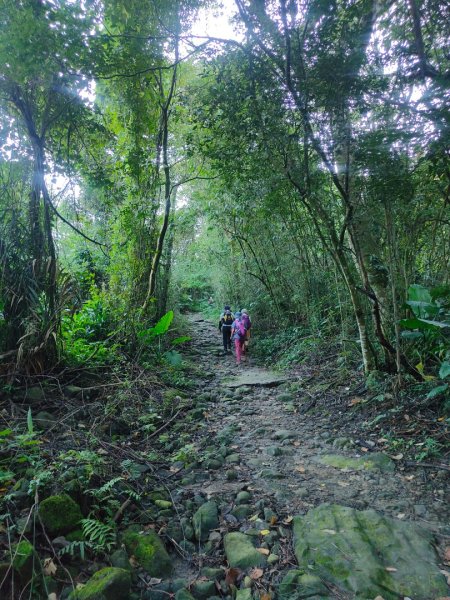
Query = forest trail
x=267 y=456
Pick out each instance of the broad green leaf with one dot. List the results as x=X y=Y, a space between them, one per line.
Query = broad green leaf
x=416 y=323
x=444 y=371
x=419 y=293
x=181 y=340
x=423 y=309
x=174 y=358
x=437 y=391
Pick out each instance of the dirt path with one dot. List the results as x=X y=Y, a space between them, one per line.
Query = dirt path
x=266 y=454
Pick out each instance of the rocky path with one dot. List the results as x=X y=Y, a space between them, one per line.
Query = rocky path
x=280 y=504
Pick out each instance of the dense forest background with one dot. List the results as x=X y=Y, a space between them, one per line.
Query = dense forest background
x=299 y=168
x=295 y=162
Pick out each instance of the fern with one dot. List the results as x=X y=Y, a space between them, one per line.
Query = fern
x=72 y=547
x=101 y=536
x=106 y=487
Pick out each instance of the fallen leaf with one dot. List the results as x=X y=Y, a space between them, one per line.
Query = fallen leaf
x=397 y=456
x=264 y=551
x=232 y=575
x=330 y=531
x=390 y=569
x=446 y=574
x=300 y=469
x=52 y=596
x=409 y=477
x=401 y=515
x=264 y=531
x=296 y=443
x=102 y=451
x=379 y=598
x=265 y=596
x=363 y=449
x=49 y=567
x=354 y=401
x=256 y=573
x=288 y=520
x=254 y=517
x=273 y=519
x=154 y=581
x=447 y=555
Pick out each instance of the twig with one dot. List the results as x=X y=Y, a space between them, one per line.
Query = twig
x=121 y=510
x=165 y=424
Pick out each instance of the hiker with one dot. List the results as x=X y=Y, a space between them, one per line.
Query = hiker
x=238 y=333
x=247 y=324
x=225 y=323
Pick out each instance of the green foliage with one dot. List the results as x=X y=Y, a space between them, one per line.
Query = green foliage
x=86 y=332
x=161 y=328
x=101 y=537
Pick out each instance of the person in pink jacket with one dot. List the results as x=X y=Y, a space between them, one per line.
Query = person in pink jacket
x=238 y=333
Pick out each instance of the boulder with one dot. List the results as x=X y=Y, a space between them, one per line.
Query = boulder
x=44 y=420
x=376 y=461
x=297 y=585
x=363 y=554
x=23 y=559
x=59 y=514
x=109 y=583
x=149 y=551
x=240 y=551
x=205 y=519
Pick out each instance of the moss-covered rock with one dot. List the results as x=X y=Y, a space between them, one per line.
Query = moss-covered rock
x=297 y=585
x=205 y=519
x=203 y=589
x=377 y=460
x=245 y=594
x=149 y=550
x=366 y=555
x=241 y=552
x=109 y=583
x=23 y=560
x=60 y=514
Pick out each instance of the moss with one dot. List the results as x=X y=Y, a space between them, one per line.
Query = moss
x=109 y=583
x=377 y=460
x=60 y=514
x=351 y=550
x=149 y=551
x=23 y=560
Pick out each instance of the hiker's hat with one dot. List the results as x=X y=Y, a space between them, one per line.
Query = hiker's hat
x=244 y=311
x=227 y=307
x=237 y=315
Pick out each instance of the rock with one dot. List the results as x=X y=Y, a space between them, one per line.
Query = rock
x=270 y=474
x=213 y=464
x=231 y=475
x=35 y=394
x=243 y=497
x=205 y=519
x=24 y=557
x=242 y=511
x=233 y=459
x=255 y=376
x=274 y=451
x=245 y=594
x=163 y=504
x=283 y=434
x=119 y=559
x=343 y=442
x=203 y=589
x=297 y=585
x=212 y=573
x=59 y=514
x=149 y=551
x=72 y=391
x=285 y=397
x=240 y=551
x=44 y=420
x=365 y=554
x=377 y=460
x=109 y=583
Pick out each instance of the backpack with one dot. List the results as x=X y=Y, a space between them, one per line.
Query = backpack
x=240 y=329
x=227 y=318
x=246 y=321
